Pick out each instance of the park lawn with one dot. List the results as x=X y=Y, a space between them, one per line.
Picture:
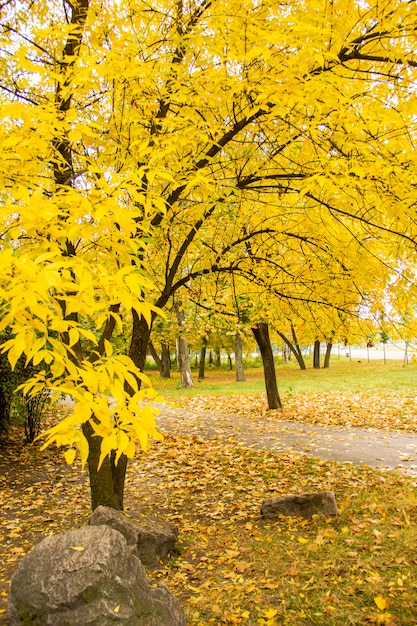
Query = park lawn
x=342 y=375
x=348 y=394
x=233 y=567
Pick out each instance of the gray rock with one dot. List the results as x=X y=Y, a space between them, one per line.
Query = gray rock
x=304 y=505
x=150 y=539
x=88 y=577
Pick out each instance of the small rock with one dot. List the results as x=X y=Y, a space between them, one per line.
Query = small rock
x=150 y=539
x=304 y=505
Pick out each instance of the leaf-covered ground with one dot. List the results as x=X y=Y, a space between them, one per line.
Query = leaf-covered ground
x=233 y=567
x=389 y=410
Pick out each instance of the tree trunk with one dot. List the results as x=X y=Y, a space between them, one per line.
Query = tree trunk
x=240 y=373
x=183 y=358
x=261 y=334
x=218 y=357
x=184 y=363
x=296 y=350
x=156 y=357
x=316 y=355
x=329 y=346
x=166 y=361
x=107 y=483
x=202 y=364
x=229 y=358
x=141 y=333
x=286 y=350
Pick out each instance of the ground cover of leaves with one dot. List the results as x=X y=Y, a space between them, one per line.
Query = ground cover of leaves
x=388 y=410
x=233 y=567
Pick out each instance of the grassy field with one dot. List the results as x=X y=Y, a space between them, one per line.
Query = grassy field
x=342 y=375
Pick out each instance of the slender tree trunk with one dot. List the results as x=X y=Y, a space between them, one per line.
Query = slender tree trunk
x=202 y=364
x=107 y=483
x=316 y=355
x=156 y=357
x=166 y=361
x=229 y=358
x=218 y=357
x=240 y=373
x=296 y=350
x=184 y=363
x=261 y=334
x=329 y=346
x=286 y=351
x=210 y=358
x=182 y=352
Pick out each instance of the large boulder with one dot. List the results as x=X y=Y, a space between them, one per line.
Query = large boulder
x=304 y=505
x=150 y=539
x=88 y=577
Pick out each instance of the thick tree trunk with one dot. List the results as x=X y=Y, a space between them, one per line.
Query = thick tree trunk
x=316 y=355
x=141 y=333
x=166 y=360
x=107 y=483
x=202 y=364
x=329 y=346
x=295 y=349
x=261 y=334
x=240 y=373
x=184 y=363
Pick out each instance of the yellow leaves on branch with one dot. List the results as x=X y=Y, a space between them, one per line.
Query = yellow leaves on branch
x=121 y=420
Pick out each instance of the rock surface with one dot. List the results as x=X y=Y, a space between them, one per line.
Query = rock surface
x=303 y=505
x=88 y=577
x=150 y=539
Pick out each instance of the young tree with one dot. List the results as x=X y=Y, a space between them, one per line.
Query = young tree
x=70 y=246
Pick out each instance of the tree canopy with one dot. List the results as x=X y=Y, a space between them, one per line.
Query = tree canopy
x=150 y=145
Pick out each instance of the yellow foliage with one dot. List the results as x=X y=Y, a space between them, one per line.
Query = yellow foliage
x=147 y=150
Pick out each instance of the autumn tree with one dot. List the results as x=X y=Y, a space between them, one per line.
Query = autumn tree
x=193 y=138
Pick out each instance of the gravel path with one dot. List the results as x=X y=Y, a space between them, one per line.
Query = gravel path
x=393 y=450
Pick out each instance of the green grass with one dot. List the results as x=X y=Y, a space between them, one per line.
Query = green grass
x=342 y=375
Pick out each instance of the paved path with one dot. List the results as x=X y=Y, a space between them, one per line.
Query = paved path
x=355 y=445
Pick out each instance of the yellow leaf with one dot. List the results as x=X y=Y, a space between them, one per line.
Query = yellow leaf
x=381 y=602
x=70 y=456
x=116 y=609
x=78 y=548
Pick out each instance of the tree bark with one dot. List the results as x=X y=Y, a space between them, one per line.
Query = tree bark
x=329 y=346
x=107 y=483
x=202 y=363
x=240 y=373
x=218 y=357
x=184 y=363
x=155 y=357
x=316 y=355
x=182 y=352
x=295 y=349
x=141 y=333
x=261 y=334
x=166 y=361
